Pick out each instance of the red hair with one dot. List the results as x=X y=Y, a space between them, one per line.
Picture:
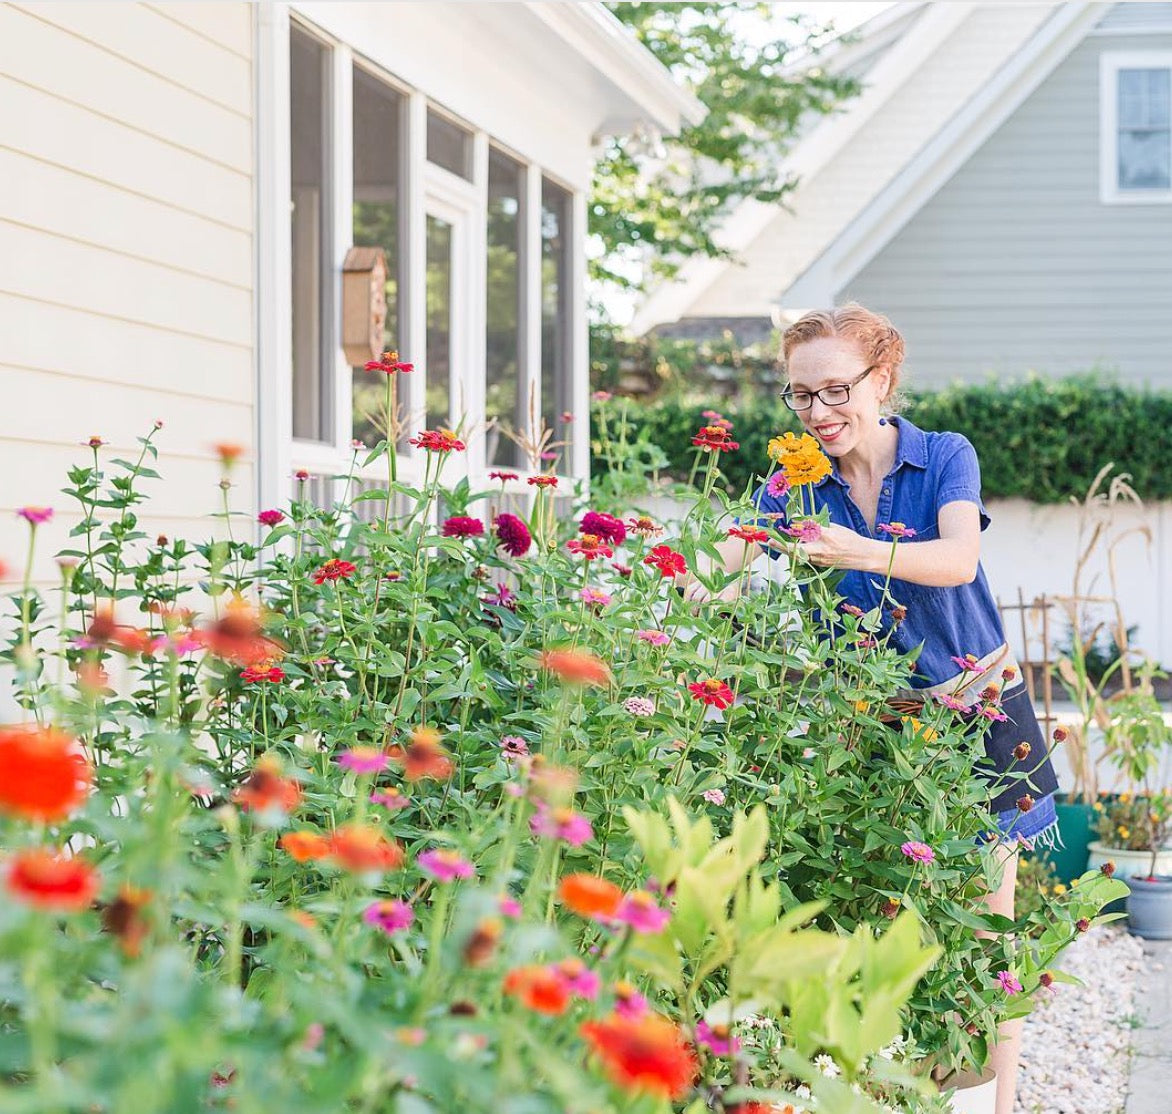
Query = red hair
x=877 y=338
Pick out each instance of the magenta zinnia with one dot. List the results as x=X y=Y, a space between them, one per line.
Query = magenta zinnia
x=363 y=760
x=639 y=910
x=34 y=516
x=1009 y=982
x=461 y=526
x=513 y=534
x=270 y=518
x=445 y=865
x=438 y=441
x=918 y=852
x=390 y=916
x=605 y=526
x=561 y=823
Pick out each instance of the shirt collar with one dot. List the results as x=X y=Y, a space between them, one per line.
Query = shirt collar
x=912 y=448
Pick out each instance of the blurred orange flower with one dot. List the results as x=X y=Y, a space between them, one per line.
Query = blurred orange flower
x=43 y=773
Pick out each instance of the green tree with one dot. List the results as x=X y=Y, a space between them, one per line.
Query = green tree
x=666 y=209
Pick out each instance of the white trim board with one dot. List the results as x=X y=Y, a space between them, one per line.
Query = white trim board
x=914 y=186
x=1110 y=63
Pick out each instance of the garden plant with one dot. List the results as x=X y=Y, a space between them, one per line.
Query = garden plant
x=414 y=804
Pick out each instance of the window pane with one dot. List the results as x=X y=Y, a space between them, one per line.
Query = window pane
x=377 y=176
x=439 y=322
x=309 y=152
x=449 y=145
x=503 y=401
x=555 y=319
x=1145 y=129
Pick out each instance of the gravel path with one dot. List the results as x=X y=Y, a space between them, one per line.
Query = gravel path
x=1079 y=1040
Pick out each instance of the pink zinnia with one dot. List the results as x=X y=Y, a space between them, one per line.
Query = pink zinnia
x=956 y=704
x=851 y=609
x=509 y=907
x=638 y=909
x=968 y=663
x=513 y=534
x=561 y=823
x=653 y=637
x=390 y=916
x=639 y=706
x=390 y=798
x=896 y=529
x=445 y=865
x=363 y=760
x=514 y=746
x=806 y=531
x=501 y=596
x=604 y=526
x=918 y=852
x=713 y=796
x=589 y=547
x=1009 y=982
x=778 y=485
x=270 y=518
x=991 y=712
x=34 y=516
x=578 y=978
x=719 y=1041
x=628 y=1002
x=594 y=597
x=460 y=526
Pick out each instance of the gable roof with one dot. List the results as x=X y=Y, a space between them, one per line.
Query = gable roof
x=955 y=74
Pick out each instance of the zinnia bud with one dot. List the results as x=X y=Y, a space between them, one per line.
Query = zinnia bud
x=1022 y=751
x=1045 y=978
x=1025 y=803
x=1082 y=924
x=1060 y=734
x=1108 y=868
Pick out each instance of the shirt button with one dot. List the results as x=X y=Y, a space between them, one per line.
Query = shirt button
x=887 y=491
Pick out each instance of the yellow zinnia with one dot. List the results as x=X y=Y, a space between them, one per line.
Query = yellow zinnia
x=800 y=458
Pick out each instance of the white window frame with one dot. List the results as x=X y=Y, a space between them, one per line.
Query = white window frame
x=425 y=186
x=1110 y=63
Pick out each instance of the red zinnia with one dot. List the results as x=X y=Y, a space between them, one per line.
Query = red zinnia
x=604 y=526
x=389 y=363
x=264 y=671
x=44 y=775
x=542 y=481
x=645 y=1053
x=715 y=438
x=460 y=526
x=513 y=534
x=667 y=561
x=334 y=569
x=712 y=691
x=589 y=546
x=48 y=880
x=749 y=534
x=540 y=989
x=438 y=441
x=504 y=477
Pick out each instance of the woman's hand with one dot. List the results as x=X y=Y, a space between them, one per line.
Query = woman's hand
x=837 y=547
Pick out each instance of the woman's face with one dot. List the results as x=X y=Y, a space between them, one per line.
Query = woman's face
x=838 y=361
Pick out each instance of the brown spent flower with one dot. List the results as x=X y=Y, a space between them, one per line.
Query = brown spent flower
x=1060 y=734
x=1025 y=802
x=1108 y=868
x=1082 y=924
x=890 y=908
x=1022 y=751
x=1046 y=979
x=480 y=946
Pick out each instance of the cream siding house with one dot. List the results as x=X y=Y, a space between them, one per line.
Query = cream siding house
x=990 y=189
x=180 y=183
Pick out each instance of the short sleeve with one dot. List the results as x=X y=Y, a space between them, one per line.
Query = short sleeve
x=959 y=479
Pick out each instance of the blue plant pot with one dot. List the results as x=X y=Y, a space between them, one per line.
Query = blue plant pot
x=1149 y=907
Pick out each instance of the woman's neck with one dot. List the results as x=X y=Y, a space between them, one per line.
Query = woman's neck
x=871 y=459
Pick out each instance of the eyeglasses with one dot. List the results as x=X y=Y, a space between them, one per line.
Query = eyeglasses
x=837 y=394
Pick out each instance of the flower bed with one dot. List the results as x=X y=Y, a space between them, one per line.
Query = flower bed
x=462 y=810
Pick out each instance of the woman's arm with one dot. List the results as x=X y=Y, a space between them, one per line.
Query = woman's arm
x=943 y=563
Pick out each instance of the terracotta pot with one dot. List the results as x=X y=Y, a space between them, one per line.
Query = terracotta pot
x=969 y=1093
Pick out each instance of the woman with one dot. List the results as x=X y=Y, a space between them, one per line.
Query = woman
x=843 y=366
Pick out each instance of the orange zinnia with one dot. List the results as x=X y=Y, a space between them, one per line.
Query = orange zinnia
x=43 y=773
x=237 y=637
x=577 y=667
x=538 y=988
x=645 y=1053
x=589 y=896
x=305 y=845
x=266 y=790
x=423 y=756
x=363 y=847
x=48 y=880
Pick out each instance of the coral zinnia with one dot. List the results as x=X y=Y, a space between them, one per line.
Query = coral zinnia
x=265 y=790
x=43 y=773
x=713 y=692
x=605 y=526
x=589 y=546
x=334 y=569
x=749 y=534
x=48 y=880
x=389 y=363
x=236 y=637
x=513 y=534
x=438 y=441
x=589 y=896
x=423 y=756
x=667 y=561
x=576 y=667
x=646 y=1053
x=305 y=845
x=360 y=847
x=538 y=988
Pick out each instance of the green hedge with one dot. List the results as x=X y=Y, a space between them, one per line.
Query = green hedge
x=1038 y=439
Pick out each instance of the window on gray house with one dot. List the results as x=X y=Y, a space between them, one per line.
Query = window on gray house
x=378 y=114
x=504 y=404
x=556 y=318
x=312 y=275
x=1145 y=129
x=449 y=145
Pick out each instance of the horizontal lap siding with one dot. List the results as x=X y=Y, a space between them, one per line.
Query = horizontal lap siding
x=1016 y=265
x=126 y=254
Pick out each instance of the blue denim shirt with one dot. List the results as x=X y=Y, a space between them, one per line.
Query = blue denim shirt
x=930 y=470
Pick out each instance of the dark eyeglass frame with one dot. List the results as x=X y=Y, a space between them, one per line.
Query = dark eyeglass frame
x=787 y=396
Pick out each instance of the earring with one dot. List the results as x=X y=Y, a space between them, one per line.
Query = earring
x=882 y=421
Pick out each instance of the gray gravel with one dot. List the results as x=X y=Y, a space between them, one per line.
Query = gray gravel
x=1078 y=1039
